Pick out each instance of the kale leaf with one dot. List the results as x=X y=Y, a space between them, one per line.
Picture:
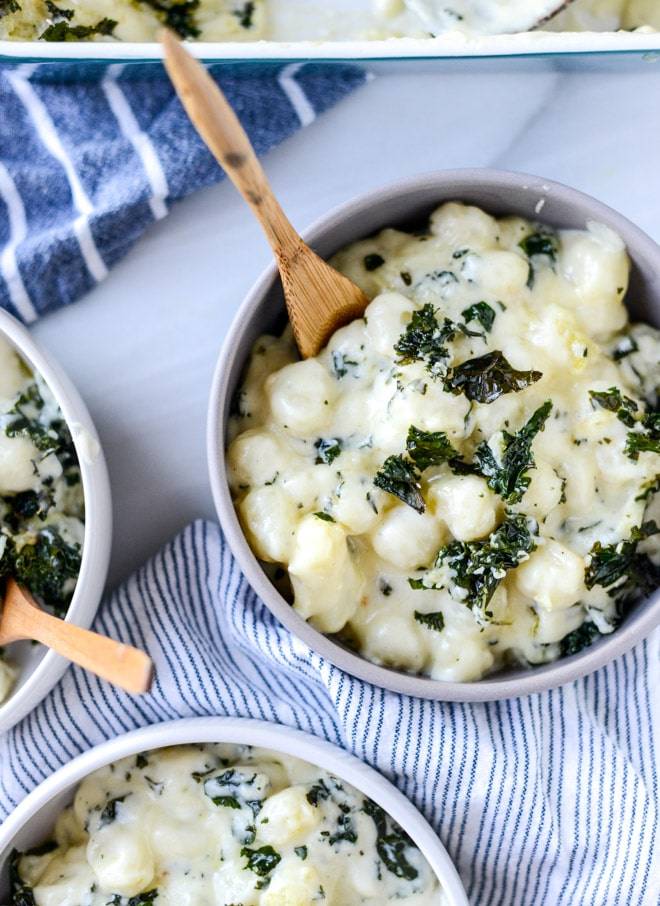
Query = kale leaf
x=429 y=448
x=424 y=340
x=435 y=621
x=478 y=567
x=621 y=568
x=645 y=436
x=327 y=449
x=318 y=792
x=140 y=899
x=261 y=861
x=62 y=31
x=45 y=568
x=507 y=476
x=245 y=14
x=579 y=639
x=541 y=243
x=373 y=262
x=481 y=312
x=486 y=378
x=179 y=15
x=9 y=6
x=391 y=842
x=21 y=893
x=401 y=478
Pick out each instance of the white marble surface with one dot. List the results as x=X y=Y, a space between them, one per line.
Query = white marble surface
x=142 y=346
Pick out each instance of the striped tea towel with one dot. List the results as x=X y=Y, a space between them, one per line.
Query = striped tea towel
x=549 y=800
x=89 y=158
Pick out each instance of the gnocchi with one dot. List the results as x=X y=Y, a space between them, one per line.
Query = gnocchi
x=465 y=476
x=216 y=825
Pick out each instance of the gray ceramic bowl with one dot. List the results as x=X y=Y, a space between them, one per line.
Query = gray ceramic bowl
x=403 y=203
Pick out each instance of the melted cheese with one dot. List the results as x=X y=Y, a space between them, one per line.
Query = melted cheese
x=311 y=437
x=214 y=825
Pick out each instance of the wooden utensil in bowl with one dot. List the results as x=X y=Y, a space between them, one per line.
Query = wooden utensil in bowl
x=319 y=299
x=22 y=618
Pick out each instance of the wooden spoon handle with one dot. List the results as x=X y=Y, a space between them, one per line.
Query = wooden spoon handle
x=222 y=132
x=120 y=664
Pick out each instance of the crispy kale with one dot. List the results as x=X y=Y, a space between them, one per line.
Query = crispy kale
x=21 y=893
x=579 y=639
x=429 y=448
x=45 y=567
x=9 y=6
x=373 y=261
x=179 y=15
x=424 y=340
x=400 y=477
x=62 y=31
x=540 y=244
x=486 y=378
x=481 y=312
x=621 y=568
x=478 y=567
x=507 y=475
x=645 y=434
x=245 y=14
x=391 y=842
x=140 y=899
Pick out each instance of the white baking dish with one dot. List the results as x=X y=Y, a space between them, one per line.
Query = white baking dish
x=445 y=47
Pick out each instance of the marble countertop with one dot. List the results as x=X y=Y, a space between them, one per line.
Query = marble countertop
x=142 y=346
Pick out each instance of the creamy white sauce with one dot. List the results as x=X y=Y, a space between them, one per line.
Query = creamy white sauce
x=216 y=825
x=298 y=20
x=41 y=498
x=311 y=438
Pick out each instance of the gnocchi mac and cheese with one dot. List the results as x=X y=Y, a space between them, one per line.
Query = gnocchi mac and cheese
x=41 y=498
x=293 y=20
x=220 y=825
x=466 y=477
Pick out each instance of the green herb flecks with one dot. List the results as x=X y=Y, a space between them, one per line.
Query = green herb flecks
x=327 y=449
x=621 y=568
x=486 y=378
x=392 y=843
x=424 y=340
x=435 y=621
x=109 y=811
x=481 y=312
x=507 y=474
x=301 y=852
x=140 y=899
x=614 y=401
x=48 y=567
x=476 y=568
x=325 y=517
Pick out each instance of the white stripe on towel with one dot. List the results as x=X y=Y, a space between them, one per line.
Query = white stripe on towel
x=18 y=232
x=299 y=101
x=139 y=139
x=48 y=134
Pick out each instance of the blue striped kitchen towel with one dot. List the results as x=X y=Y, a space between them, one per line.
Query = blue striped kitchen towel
x=87 y=164
x=549 y=800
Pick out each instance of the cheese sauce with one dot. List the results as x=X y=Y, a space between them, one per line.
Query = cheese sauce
x=220 y=825
x=297 y=20
x=464 y=478
x=41 y=498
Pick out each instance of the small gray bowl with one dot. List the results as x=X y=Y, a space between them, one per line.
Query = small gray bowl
x=404 y=203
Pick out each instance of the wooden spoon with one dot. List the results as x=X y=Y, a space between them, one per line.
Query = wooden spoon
x=318 y=298
x=22 y=618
